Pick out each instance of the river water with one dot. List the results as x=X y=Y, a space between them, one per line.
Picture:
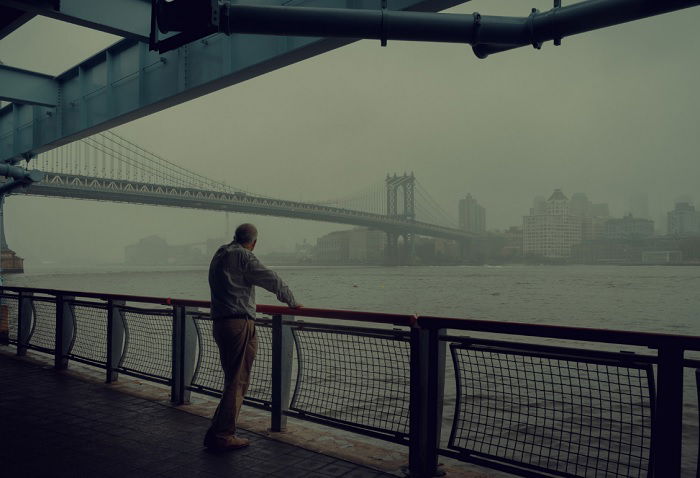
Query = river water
x=652 y=299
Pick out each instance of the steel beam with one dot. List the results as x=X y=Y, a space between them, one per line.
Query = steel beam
x=27 y=87
x=124 y=82
x=126 y=18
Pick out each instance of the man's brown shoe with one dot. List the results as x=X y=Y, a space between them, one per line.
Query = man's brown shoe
x=225 y=443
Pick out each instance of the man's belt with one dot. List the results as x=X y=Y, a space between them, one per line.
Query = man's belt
x=233 y=316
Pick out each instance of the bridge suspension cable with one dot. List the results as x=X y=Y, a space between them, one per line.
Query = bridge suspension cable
x=429 y=210
x=110 y=156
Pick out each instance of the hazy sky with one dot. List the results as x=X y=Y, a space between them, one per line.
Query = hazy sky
x=611 y=113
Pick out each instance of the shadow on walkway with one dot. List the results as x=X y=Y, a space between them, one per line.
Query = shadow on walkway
x=55 y=425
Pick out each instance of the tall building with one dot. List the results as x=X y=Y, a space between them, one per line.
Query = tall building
x=580 y=205
x=552 y=232
x=472 y=216
x=684 y=220
x=629 y=227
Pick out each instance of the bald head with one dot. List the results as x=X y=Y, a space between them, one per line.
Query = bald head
x=246 y=234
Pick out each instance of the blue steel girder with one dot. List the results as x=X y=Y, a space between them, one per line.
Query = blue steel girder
x=126 y=81
x=126 y=18
x=27 y=87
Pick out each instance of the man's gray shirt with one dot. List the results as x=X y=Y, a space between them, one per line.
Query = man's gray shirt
x=233 y=274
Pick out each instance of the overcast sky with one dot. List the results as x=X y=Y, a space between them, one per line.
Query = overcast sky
x=611 y=113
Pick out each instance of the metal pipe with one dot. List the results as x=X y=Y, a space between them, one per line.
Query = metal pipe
x=487 y=34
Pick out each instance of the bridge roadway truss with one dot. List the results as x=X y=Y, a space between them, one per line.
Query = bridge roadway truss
x=117 y=190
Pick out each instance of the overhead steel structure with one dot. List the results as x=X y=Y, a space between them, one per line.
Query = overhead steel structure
x=147 y=72
x=127 y=80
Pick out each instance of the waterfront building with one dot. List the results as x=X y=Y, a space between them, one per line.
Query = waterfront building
x=472 y=216
x=629 y=227
x=592 y=227
x=353 y=246
x=551 y=234
x=155 y=251
x=684 y=220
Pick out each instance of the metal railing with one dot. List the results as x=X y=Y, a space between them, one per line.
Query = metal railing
x=520 y=406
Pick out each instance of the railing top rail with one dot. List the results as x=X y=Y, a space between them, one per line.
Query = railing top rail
x=647 y=339
x=358 y=316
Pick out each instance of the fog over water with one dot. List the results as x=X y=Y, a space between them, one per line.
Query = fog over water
x=612 y=113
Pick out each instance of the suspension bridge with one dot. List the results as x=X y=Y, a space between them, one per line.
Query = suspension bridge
x=108 y=167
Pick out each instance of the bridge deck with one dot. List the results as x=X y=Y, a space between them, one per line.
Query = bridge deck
x=52 y=424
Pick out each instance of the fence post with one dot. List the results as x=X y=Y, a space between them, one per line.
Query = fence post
x=65 y=327
x=427 y=391
x=667 y=428
x=115 y=338
x=24 y=321
x=4 y=321
x=282 y=356
x=184 y=354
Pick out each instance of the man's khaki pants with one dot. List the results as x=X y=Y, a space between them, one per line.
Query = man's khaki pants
x=238 y=344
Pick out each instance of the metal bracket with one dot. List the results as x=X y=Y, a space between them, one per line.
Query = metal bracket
x=557 y=4
x=383 y=39
x=531 y=27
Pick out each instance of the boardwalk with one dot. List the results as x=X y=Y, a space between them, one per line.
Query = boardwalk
x=52 y=424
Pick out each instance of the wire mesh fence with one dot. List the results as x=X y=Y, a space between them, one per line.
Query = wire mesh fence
x=9 y=314
x=90 y=332
x=356 y=378
x=209 y=376
x=148 y=347
x=568 y=415
x=43 y=332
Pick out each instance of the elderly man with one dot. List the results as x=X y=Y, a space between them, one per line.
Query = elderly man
x=233 y=274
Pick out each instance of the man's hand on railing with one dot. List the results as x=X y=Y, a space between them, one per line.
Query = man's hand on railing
x=296 y=306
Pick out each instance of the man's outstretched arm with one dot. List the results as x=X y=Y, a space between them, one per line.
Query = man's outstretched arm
x=261 y=276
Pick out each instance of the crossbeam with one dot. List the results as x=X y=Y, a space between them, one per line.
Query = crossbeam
x=27 y=87
x=126 y=18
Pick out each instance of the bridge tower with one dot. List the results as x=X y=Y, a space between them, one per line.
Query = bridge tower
x=9 y=262
x=400 y=202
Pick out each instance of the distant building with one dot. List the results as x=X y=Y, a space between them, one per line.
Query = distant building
x=149 y=251
x=684 y=220
x=629 y=227
x=580 y=205
x=333 y=248
x=354 y=246
x=155 y=251
x=593 y=227
x=472 y=216
x=551 y=234
x=539 y=205
x=662 y=257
